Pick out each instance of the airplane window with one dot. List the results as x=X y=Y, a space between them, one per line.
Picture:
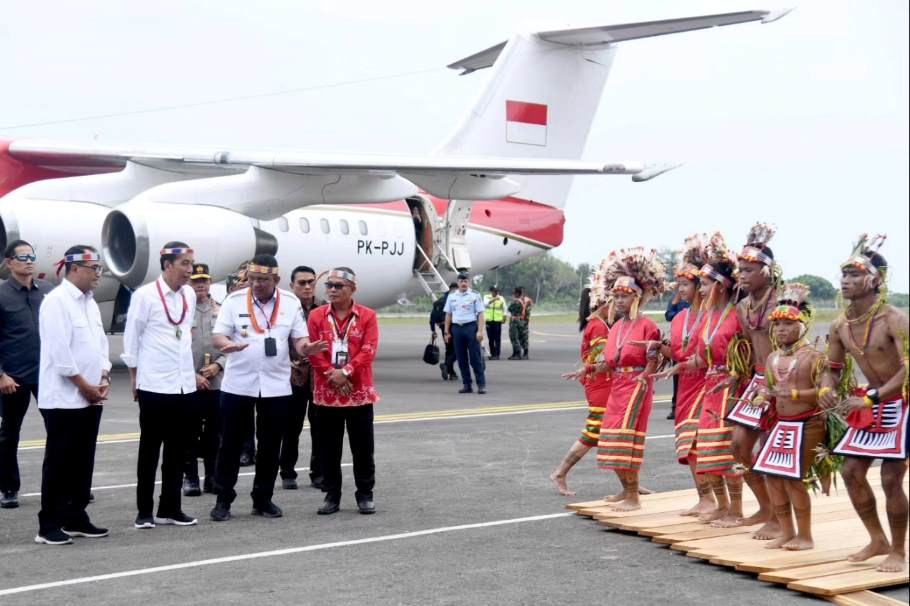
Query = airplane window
x=362 y=226
x=324 y=225
x=304 y=225
x=283 y=224
x=345 y=228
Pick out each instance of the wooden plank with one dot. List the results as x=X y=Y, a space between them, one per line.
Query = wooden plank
x=849 y=582
x=645 y=498
x=827 y=534
x=661 y=530
x=799 y=573
x=752 y=555
x=865 y=598
x=798 y=558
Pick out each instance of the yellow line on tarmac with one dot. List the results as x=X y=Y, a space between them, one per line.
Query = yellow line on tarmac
x=393 y=418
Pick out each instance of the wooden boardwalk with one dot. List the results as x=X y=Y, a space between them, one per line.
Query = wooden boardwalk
x=823 y=571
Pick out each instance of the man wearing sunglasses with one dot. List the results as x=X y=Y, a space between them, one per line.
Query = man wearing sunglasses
x=343 y=391
x=303 y=284
x=20 y=297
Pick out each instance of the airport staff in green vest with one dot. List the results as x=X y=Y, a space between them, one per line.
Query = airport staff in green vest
x=495 y=314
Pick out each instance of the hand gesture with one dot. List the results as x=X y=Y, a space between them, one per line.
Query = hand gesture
x=666 y=374
x=575 y=374
x=854 y=403
x=133 y=389
x=648 y=345
x=311 y=348
x=722 y=385
x=92 y=393
x=828 y=399
x=8 y=385
x=202 y=383
x=211 y=371
x=232 y=347
x=480 y=336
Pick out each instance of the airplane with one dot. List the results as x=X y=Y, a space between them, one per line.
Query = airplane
x=492 y=194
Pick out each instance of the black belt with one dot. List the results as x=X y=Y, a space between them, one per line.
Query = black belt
x=465 y=323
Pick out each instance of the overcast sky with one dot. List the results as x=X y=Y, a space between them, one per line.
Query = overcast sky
x=802 y=123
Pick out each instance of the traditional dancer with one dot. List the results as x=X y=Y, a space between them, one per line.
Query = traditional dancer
x=874 y=334
x=800 y=425
x=636 y=277
x=759 y=277
x=683 y=339
x=595 y=313
x=712 y=449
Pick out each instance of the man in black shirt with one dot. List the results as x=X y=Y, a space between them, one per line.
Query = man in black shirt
x=20 y=297
x=438 y=319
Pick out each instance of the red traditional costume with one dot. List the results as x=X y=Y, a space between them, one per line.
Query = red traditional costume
x=713 y=441
x=683 y=342
x=360 y=333
x=596 y=384
x=625 y=422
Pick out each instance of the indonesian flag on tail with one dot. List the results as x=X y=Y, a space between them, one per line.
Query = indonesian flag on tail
x=526 y=123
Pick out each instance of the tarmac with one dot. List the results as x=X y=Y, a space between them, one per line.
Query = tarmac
x=466 y=512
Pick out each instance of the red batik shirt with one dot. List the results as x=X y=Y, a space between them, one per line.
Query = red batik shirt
x=363 y=338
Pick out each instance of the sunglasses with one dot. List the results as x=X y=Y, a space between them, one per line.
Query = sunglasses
x=303 y=282
x=25 y=258
x=334 y=285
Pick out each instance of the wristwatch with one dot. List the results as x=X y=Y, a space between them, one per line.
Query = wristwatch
x=872 y=394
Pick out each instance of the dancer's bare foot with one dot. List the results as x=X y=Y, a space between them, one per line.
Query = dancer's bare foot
x=778 y=543
x=627 y=505
x=770 y=530
x=615 y=498
x=561 y=485
x=702 y=507
x=727 y=521
x=799 y=543
x=712 y=515
x=876 y=547
x=759 y=517
x=643 y=490
x=895 y=562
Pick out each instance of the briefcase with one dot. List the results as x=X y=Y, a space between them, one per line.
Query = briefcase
x=431 y=352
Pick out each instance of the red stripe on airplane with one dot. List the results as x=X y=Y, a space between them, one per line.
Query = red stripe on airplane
x=527 y=113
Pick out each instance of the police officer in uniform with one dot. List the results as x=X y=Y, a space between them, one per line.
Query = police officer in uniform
x=464 y=327
x=494 y=315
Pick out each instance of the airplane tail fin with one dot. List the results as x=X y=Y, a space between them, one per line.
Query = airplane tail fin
x=544 y=89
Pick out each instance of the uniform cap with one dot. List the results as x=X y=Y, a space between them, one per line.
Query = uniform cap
x=200 y=272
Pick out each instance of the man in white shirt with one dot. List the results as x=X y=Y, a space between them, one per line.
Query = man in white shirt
x=157 y=349
x=74 y=381
x=254 y=329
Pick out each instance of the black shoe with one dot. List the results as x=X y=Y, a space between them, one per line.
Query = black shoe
x=444 y=371
x=514 y=357
x=481 y=390
x=53 y=537
x=191 y=488
x=143 y=522
x=267 y=510
x=221 y=512
x=671 y=414
x=453 y=377
x=177 y=519
x=246 y=459
x=88 y=530
x=208 y=485
x=289 y=483
x=366 y=506
x=329 y=506
x=316 y=483
x=91 y=497
x=524 y=356
x=466 y=390
x=10 y=500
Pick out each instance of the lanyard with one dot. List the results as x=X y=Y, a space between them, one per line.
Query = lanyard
x=709 y=338
x=621 y=339
x=687 y=328
x=167 y=311
x=268 y=321
x=342 y=334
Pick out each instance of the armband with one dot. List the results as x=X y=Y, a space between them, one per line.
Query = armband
x=734 y=375
x=835 y=365
x=794 y=394
x=823 y=391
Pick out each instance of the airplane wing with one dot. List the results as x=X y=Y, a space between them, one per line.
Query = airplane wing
x=352 y=178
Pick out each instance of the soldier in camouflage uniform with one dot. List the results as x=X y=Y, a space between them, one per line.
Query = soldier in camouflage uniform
x=519 y=315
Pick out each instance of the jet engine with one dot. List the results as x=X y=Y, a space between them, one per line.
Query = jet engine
x=133 y=234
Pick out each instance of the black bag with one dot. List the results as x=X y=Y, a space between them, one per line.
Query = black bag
x=431 y=352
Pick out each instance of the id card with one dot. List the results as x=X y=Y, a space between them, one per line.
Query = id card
x=340 y=353
x=271 y=347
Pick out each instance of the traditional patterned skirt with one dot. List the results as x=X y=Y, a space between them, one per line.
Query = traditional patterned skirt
x=597 y=391
x=791 y=446
x=743 y=412
x=880 y=433
x=625 y=423
x=688 y=409
x=714 y=437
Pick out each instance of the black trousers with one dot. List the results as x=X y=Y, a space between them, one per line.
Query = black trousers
x=163 y=428
x=450 y=356
x=236 y=415
x=69 y=461
x=204 y=433
x=494 y=336
x=301 y=408
x=468 y=352
x=359 y=423
x=675 y=389
x=12 y=411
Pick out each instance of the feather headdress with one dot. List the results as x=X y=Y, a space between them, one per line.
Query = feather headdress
x=599 y=285
x=862 y=250
x=756 y=251
x=633 y=270
x=793 y=304
x=691 y=258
